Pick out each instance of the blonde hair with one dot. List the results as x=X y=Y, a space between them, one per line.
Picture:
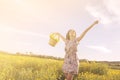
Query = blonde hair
x=68 y=36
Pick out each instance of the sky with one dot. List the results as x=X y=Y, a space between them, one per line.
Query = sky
x=25 y=26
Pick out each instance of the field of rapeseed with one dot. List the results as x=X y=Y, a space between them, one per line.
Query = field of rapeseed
x=15 y=67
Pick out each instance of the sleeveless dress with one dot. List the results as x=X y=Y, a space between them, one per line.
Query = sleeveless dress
x=71 y=61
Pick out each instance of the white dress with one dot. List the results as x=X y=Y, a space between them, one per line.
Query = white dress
x=71 y=61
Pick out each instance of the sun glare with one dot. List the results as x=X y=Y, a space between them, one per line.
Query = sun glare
x=18 y=1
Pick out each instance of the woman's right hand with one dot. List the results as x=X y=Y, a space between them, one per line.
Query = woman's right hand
x=62 y=37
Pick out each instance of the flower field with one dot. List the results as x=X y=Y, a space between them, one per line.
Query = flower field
x=16 y=67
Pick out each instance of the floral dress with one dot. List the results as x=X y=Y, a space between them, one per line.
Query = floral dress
x=71 y=61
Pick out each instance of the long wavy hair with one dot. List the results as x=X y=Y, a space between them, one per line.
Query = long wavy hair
x=68 y=34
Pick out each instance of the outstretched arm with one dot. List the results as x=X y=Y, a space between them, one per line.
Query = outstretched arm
x=83 y=34
x=62 y=37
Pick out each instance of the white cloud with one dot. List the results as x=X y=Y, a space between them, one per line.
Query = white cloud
x=100 y=48
x=112 y=6
x=100 y=15
x=107 y=11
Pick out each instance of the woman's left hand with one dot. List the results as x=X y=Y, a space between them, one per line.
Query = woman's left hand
x=96 y=22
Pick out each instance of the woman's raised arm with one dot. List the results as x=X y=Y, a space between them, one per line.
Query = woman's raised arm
x=62 y=37
x=83 y=34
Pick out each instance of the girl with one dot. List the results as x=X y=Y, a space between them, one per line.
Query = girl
x=71 y=61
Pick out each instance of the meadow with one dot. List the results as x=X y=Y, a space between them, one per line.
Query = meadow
x=17 y=67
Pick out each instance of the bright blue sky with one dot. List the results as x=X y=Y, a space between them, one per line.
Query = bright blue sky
x=25 y=26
